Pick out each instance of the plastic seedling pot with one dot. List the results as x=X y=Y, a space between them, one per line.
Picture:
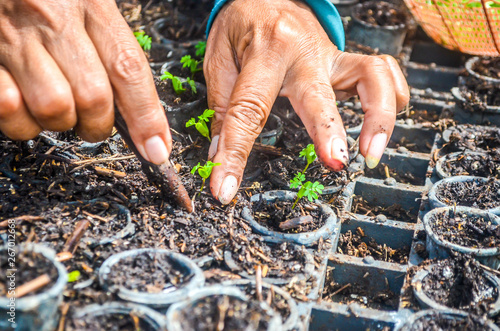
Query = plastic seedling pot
x=416 y=321
x=441 y=168
x=177 y=313
x=387 y=39
x=149 y=320
x=426 y=302
x=307 y=238
x=272 y=131
x=490 y=115
x=440 y=248
x=127 y=231
x=290 y=322
x=475 y=138
x=437 y=203
x=159 y=300
x=37 y=312
x=344 y=7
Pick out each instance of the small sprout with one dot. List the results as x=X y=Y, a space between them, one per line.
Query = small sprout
x=176 y=82
x=188 y=62
x=310 y=191
x=192 y=84
x=143 y=39
x=201 y=124
x=204 y=171
x=297 y=181
x=308 y=153
x=200 y=48
x=73 y=276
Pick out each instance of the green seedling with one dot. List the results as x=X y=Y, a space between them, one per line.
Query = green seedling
x=310 y=191
x=73 y=276
x=176 y=82
x=200 y=47
x=204 y=171
x=188 y=62
x=297 y=181
x=143 y=39
x=309 y=154
x=201 y=124
x=192 y=84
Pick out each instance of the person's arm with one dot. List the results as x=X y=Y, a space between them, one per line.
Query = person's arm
x=258 y=50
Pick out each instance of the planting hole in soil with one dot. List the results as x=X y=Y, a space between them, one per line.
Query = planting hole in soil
x=383 y=171
x=360 y=245
x=471 y=192
x=394 y=212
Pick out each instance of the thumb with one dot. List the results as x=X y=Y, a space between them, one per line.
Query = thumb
x=254 y=93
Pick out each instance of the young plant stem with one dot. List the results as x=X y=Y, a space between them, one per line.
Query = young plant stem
x=202 y=185
x=307 y=166
x=295 y=203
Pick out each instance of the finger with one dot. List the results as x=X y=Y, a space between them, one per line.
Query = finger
x=253 y=95
x=374 y=83
x=400 y=85
x=131 y=79
x=314 y=101
x=220 y=73
x=89 y=83
x=45 y=90
x=15 y=120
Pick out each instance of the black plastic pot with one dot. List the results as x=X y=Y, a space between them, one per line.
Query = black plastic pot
x=155 y=300
x=440 y=248
x=387 y=39
x=442 y=173
x=273 y=131
x=307 y=238
x=176 y=311
x=37 y=312
x=148 y=318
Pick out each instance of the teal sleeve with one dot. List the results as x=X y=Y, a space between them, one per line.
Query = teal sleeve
x=325 y=11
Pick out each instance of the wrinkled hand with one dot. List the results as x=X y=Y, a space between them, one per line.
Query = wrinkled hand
x=258 y=50
x=61 y=64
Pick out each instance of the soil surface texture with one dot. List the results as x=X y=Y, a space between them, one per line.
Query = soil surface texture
x=412 y=116
x=471 y=193
x=459 y=283
x=380 y=172
x=279 y=216
x=473 y=138
x=360 y=245
x=224 y=313
x=395 y=212
x=149 y=272
x=488 y=66
x=110 y=322
x=481 y=165
x=437 y=321
x=351 y=118
x=466 y=231
x=29 y=266
x=381 y=13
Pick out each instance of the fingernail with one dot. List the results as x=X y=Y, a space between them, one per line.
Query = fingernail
x=340 y=151
x=228 y=189
x=156 y=150
x=376 y=150
x=213 y=147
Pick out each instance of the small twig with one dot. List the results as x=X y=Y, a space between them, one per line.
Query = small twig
x=110 y=173
x=496 y=272
x=107 y=159
x=31 y=286
x=341 y=289
x=258 y=282
x=62 y=320
x=222 y=313
x=20 y=219
x=97 y=217
x=73 y=240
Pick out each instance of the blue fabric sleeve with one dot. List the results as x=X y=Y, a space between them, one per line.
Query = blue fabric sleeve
x=325 y=11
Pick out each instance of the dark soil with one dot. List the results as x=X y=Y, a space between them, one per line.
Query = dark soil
x=395 y=212
x=380 y=13
x=437 y=321
x=406 y=178
x=472 y=193
x=148 y=272
x=28 y=265
x=466 y=231
x=410 y=145
x=479 y=94
x=418 y=116
x=351 y=118
x=362 y=294
x=278 y=303
x=224 y=313
x=459 y=283
x=488 y=66
x=272 y=214
x=473 y=138
x=359 y=245
x=168 y=95
x=481 y=165
x=110 y=322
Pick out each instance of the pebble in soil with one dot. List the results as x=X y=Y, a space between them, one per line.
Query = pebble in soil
x=110 y=322
x=350 y=117
x=394 y=212
x=466 y=231
x=28 y=266
x=163 y=274
x=471 y=193
x=360 y=245
x=224 y=313
x=361 y=293
x=481 y=165
x=279 y=216
x=459 y=283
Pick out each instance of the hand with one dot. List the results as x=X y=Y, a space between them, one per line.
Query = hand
x=61 y=64
x=258 y=50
